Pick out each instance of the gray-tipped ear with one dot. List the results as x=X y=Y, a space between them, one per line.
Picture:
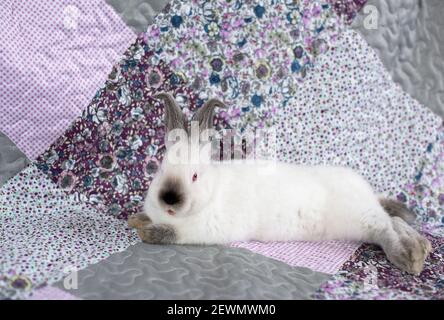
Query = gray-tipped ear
x=205 y=115
x=174 y=118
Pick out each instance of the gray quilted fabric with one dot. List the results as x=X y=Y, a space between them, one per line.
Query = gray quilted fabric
x=12 y=160
x=410 y=41
x=192 y=272
x=137 y=14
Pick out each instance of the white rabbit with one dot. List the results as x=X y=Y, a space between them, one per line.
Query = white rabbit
x=217 y=203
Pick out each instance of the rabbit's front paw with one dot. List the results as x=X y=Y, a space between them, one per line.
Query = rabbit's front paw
x=157 y=234
x=138 y=221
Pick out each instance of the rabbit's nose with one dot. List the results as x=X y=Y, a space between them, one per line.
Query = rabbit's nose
x=170 y=197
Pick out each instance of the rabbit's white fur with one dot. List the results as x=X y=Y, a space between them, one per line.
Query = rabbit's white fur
x=235 y=202
x=241 y=201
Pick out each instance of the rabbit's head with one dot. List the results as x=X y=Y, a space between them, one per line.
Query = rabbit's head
x=184 y=181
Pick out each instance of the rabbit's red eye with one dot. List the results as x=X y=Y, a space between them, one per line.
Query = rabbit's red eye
x=194 y=177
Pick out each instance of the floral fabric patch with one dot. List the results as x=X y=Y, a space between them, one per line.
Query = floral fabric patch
x=347 y=9
x=110 y=154
x=251 y=54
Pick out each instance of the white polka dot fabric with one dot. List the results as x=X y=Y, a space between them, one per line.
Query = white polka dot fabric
x=54 y=56
x=349 y=112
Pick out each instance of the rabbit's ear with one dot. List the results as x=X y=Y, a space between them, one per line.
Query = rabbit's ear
x=174 y=118
x=205 y=114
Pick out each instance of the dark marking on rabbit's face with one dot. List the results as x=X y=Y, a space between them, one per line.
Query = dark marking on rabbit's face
x=171 y=193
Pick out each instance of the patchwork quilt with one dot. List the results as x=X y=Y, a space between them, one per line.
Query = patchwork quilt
x=294 y=66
